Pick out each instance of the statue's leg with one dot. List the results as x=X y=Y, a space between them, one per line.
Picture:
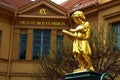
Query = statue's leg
x=81 y=61
x=89 y=62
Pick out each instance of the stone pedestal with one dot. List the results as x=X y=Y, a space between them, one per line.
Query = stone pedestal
x=87 y=75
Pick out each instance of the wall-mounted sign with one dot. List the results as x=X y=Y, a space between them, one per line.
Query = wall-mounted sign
x=40 y=22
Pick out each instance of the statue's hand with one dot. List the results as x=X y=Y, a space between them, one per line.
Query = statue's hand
x=72 y=30
x=75 y=56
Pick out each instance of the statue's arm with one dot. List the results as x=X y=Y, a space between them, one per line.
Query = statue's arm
x=86 y=30
x=73 y=30
x=86 y=27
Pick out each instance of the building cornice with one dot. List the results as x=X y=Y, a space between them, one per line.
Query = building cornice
x=3 y=73
x=97 y=6
x=34 y=16
x=6 y=13
x=111 y=15
x=3 y=60
x=82 y=6
x=108 y=4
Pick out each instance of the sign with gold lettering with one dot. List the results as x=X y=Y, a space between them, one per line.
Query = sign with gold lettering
x=40 y=22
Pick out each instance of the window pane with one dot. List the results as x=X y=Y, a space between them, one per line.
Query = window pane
x=23 y=36
x=59 y=43
x=116 y=32
x=46 y=48
x=23 y=43
x=36 y=48
x=41 y=43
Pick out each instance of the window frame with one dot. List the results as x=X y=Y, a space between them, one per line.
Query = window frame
x=21 y=44
x=43 y=35
x=116 y=31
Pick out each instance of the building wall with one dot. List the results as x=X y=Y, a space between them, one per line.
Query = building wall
x=23 y=68
x=5 y=34
x=5 y=28
x=29 y=30
x=93 y=21
x=3 y=69
x=108 y=14
x=3 y=77
x=20 y=78
x=102 y=14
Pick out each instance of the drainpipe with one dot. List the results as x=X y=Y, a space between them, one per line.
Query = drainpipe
x=10 y=47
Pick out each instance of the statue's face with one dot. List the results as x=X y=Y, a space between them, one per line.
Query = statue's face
x=77 y=20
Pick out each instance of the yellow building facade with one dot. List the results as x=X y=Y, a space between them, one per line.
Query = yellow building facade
x=27 y=35
x=34 y=30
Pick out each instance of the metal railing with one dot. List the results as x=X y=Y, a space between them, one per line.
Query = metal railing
x=106 y=76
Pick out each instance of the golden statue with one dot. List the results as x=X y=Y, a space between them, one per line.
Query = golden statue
x=81 y=48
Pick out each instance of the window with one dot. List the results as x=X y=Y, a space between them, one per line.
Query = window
x=59 y=44
x=116 y=31
x=23 y=42
x=41 y=43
